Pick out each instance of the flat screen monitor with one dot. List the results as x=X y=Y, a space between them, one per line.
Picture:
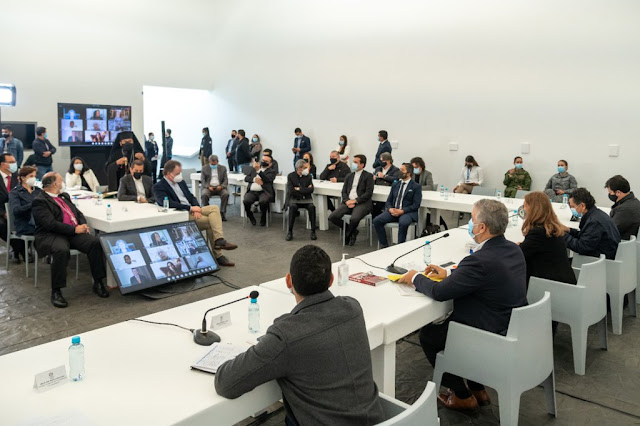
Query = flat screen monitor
x=149 y=257
x=91 y=125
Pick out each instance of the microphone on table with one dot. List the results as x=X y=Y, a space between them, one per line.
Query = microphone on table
x=398 y=270
x=206 y=337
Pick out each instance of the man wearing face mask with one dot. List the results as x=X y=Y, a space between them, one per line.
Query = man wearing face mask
x=299 y=196
x=335 y=171
x=625 y=211
x=175 y=190
x=301 y=145
x=151 y=151
x=260 y=188
x=598 y=233
x=8 y=182
x=274 y=163
x=124 y=151
x=60 y=226
x=43 y=150
x=243 y=151
x=135 y=186
x=486 y=286
x=206 y=146
x=383 y=146
x=11 y=145
x=213 y=181
x=232 y=144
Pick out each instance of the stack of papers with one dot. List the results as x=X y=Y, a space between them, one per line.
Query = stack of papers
x=218 y=355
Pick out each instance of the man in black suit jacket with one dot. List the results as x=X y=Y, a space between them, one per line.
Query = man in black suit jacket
x=232 y=144
x=402 y=206
x=301 y=145
x=8 y=181
x=151 y=151
x=299 y=196
x=214 y=182
x=260 y=189
x=356 y=199
x=384 y=146
x=174 y=189
x=485 y=288
x=60 y=227
x=132 y=184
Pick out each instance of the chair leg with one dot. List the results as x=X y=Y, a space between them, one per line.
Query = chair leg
x=26 y=257
x=633 y=310
x=550 y=394
x=77 y=266
x=602 y=330
x=344 y=232
x=509 y=407
x=616 y=301
x=437 y=375
x=579 y=343
x=371 y=232
x=35 y=273
x=6 y=266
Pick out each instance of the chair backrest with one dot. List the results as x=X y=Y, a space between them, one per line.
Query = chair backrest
x=436 y=187
x=531 y=326
x=102 y=188
x=520 y=193
x=422 y=412
x=487 y=192
x=627 y=255
x=7 y=209
x=186 y=174
x=593 y=277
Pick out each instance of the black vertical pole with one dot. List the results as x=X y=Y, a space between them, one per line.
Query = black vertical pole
x=164 y=147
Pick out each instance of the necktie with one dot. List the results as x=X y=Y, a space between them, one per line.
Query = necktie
x=9 y=183
x=399 y=198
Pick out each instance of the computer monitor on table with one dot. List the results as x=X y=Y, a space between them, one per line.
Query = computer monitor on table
x=149 y=257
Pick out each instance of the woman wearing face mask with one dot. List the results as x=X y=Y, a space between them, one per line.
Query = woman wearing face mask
x=151 y=152
x=80 y=175
x=516 y=179
x=344 y=150
x=256 y=147
x=206 y=147
x=20 y=199
x=472 y=175
x=308 y=158
x=421 y=174
x=561 y=183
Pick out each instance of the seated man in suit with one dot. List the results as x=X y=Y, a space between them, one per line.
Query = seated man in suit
x=274 y=163
x=60 y=227
x=299 y=196
x=485 y=288
x=625 y=211
x=9 y=180
x=335 y=171
x=208 y=218
x=260 y=189
x=402 y=206
x=136 y=186
x=384 y=175
x=319 y=353
x=356 y=198
x=213 y=181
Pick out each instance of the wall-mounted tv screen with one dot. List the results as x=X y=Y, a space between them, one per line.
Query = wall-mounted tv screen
x=91 y=125
x=148 y=257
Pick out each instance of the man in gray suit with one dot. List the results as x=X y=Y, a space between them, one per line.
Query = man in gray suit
x=319 y=353
x=213 y=181
x=136 y=186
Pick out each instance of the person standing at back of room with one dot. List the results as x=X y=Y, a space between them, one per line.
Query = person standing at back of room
x=301 y=145
x=169 y=144
x=383 y=146
x=206 y=147
x=43 y=150
x=151 y=152
x=230 y=150
x=11 y=145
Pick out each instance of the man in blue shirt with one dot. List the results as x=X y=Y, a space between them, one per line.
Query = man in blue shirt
x=11 y=145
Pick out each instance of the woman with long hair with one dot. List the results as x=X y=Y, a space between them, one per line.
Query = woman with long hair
x=344 y=150
x=80 y=175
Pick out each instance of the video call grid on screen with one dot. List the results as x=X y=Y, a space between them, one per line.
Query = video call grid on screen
x=92 y=125
x=148 y=257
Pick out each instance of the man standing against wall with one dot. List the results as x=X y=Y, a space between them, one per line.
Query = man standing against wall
x=44 y=150
x=301 y=145
x=11 y=145
x=232 y=144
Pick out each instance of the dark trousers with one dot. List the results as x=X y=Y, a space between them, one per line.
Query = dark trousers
x=223 y=194
x=232 y=164
x=58 y=247
x=293 y=211
x=154 y=171
x=357 y=213
x=377 y=208
x=16 y=245
x=433 y=338
x=403 y=221
x=262 y=198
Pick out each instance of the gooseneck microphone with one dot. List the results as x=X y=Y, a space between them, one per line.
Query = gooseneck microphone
x=206 y=337
x=398 y=270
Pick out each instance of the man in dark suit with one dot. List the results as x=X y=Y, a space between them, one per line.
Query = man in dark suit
x=260 y=189
x=232 y=144
x=174 y=189
x=137 y=277
x=625 y=211
x=213 y=182
x=384 y=146
x=151 y=151
x=243 y=151
x=384 y=175
x=299 y=196
x=136 y=186
x=336 y=170
x=318 y=352
x=486 y=286
x=60 y=227
x=8 y=181
x=356 y=198
x=402 y=206
x=301 y=145
x=274 y=163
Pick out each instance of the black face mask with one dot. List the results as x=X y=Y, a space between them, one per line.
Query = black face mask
x=613 y=197
x=306 y=160
x=333 y=160
x=469 y=166
x=137 y=175
x=127 y=148
x=264 y=164
x=5 y=135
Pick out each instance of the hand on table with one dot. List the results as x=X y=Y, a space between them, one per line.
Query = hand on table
x=435 y=271
x=408 y=277
x=142 y=200
x=334 y=180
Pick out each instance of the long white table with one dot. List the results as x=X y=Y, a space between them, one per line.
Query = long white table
x=138 y=373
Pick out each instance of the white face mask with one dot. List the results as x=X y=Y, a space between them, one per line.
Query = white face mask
x=305 y=172
x=31 y=182
x=178 y=178
x=78 y=166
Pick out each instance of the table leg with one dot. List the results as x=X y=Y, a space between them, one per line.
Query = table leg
x=436 y=216
x=243 y=192
x=279 y=200
x=383 y=360
x=322 y=210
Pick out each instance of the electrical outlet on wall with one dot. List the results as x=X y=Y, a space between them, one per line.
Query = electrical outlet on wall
x=525 y=147
x=614 y=150
x=453 y=146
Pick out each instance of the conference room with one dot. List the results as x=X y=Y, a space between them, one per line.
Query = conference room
x=445 y=192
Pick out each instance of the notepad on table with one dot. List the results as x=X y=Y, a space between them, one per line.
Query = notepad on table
x=217 y=355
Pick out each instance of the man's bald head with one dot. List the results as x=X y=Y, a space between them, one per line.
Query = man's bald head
x=50 y=182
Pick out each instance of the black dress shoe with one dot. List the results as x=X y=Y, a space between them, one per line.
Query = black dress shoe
x=289 y=236
x=224 y=218
x=263 y=223
x=15 y=257
x=58 y=301
x=313 y=235
x=352 y=239
x=223 y=261
x=100 y=290
x=252 y=220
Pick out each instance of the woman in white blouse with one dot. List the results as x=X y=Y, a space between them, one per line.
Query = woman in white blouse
x=471 y=176
x=80 y=175
x=344 y=150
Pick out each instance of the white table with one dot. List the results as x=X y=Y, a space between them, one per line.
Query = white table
x=138 y=373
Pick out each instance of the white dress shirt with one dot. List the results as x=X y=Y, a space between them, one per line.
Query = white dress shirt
x=179 y=193
x=353 y=194
x=140 y=188
x=214 y=178
x=4 y=179
x=473 y=175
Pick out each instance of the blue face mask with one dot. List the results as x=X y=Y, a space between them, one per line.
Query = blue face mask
x=519 y=166
x=575 y=213
x=341 y=143
x=561 y=169
x=416 y=171
x=213 y=167
x=46 y=136
x=354 y=167
x=204 y=134
x=255 y=139
x=470 y=228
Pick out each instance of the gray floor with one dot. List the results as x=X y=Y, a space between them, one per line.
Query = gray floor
x=608 y=394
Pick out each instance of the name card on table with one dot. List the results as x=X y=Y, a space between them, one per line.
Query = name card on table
x=219 y=321
x=51 y=378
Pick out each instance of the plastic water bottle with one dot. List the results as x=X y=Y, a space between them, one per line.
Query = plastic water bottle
x=109 y=212
x=498 y=195
x=446 y=193
x=426 y=253
x=254 y=316
x=99 y=200
x=76 y=359
x=514 y=218
x=565 y=201
x=343 y=271
x=165 y=204
x=442 y=190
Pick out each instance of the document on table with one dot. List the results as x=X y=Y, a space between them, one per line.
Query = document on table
x=218 y=355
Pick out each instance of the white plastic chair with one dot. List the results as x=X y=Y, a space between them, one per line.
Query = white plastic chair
x=510 y=364
x=368 y=223
x=11 y=235
x=579 y=306
x=487 y=192
x=520 y=193
x=412 y=231
x=422 y=412
x=621 y=280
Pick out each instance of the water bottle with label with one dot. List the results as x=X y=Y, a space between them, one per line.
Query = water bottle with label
x=99 y=199
x=426 y=253
x=254 y=316
x=514 y=218
x=446 y=193
x=76 y=359
x=442 y=190
x=498 y=195
x=343 y=271
x=165 y=204
x=565 y=201
x=109 y=212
